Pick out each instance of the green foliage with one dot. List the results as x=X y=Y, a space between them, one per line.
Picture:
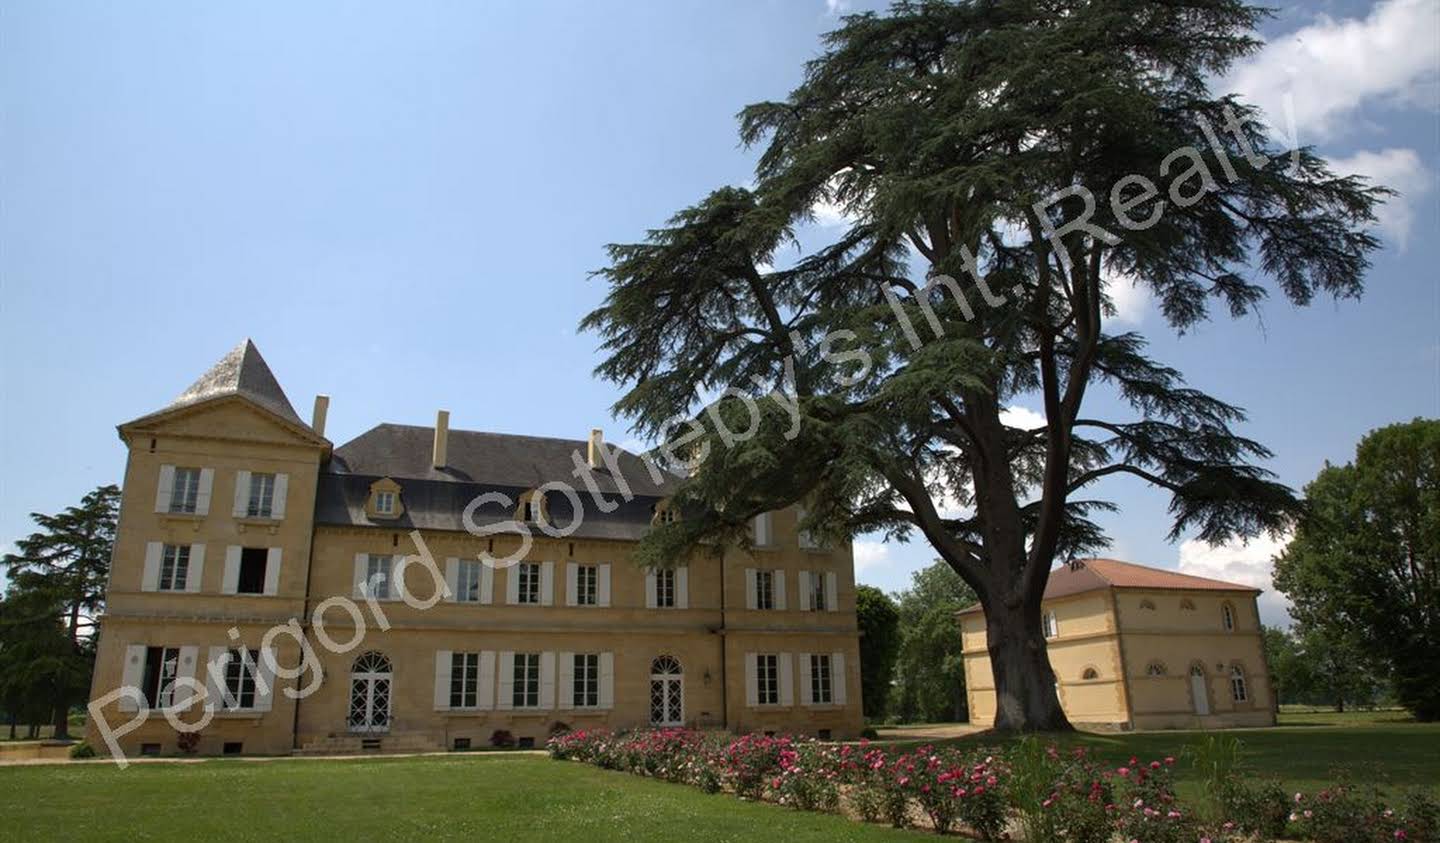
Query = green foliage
x=879 y=623
x=1324 y=665
x=82 y=750
x=939 y=127
x=929 y=669
x=1364 y=565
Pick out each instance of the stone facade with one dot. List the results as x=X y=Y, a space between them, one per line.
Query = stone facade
x=238 y=519
x=1141 y=648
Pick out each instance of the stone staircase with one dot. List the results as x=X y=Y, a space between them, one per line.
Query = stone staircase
x=374 y=744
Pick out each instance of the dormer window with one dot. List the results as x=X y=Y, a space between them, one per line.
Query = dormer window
x=532 y=508
x=384 y=501
x=665 y=513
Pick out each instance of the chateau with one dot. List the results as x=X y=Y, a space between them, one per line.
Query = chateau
x=1140 y=648
x=244 y=530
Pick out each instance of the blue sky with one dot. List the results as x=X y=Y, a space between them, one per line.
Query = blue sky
x=400 y=203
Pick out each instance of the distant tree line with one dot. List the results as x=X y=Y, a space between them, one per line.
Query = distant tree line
x=56 y=589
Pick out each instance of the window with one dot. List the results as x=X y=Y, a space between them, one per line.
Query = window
x=528 y=590
x=262 y=496
x=162 y=664
x=186 y=492
x=767 y=679
x=665 y=514
x=527 y=681
x=761 y=530
x=1238 y=691
x=377 y=575
x=806 y=538
x=385 y=503
x=817 y=591
x=252 y=571
x=174 y=567
x=1227 y=617
x=1187 y=605
x=665 y=588
x=1147 y=605
x=587 y=585
x=464 y=680
x=467 y=582
x=232 y=748
x=240 y=679
x=587 y=680
x=764 y=589
x=1048 y=625
x=821 y=691
x=1155 y=669
x=1090 y=673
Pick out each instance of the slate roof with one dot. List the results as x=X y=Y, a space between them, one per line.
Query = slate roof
x=1096 y=574
x=477 y=463
x=241 y=372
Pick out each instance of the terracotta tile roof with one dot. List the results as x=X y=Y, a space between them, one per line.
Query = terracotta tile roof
x=1084 y=575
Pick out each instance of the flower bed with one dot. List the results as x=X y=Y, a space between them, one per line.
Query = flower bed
x=1030 y=792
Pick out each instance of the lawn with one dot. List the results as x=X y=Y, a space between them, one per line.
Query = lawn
x=471 y=797
x=1307 y=751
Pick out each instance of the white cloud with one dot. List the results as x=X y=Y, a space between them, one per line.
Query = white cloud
x=1331 y=67
x=829 y=214
x=1130 y=297
x=1400 y=170
x=870 y=555
x=834 y=8
x=1021 y=417
x=1246 y=562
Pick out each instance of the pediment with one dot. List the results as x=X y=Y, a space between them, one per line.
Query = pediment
x=230 y=417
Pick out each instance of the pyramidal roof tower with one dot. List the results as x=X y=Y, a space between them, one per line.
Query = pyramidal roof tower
x=241 y=372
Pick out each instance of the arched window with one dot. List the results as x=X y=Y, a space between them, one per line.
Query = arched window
x=1187 y=605
x=1090 y=673
x=665 y=666
x=1227 y=617
x=665 y=513
x=1147 y=604
x=1238 y=691
x=1049 y=626
x=371 y=662
x=1155 y=669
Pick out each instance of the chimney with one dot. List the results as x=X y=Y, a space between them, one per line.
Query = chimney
x=596 y=456
x=317 y=418
x=442 y=437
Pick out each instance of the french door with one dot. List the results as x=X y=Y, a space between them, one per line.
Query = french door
x=667 y=692
x=370 y=683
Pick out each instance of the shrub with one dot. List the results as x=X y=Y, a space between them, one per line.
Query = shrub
x=869 y=733
x=1146 y=808
x=751 y=761
x=188 y=742
x=559 y=727
x=82 y=750
x=1346 y=814
x=809 y=777
x=1422 y=816
x=502 y=738
x=1255 y=809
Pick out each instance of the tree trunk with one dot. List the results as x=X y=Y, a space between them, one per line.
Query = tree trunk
x=62 y=722
x=1025 y=697
x=13 y=721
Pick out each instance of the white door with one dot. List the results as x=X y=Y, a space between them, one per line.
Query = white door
x=1198 y=697
x=667 y=693
x=370 y=680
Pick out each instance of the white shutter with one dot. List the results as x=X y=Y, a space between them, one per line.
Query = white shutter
x=787 y=679
x=231 y=583
x=752 y=681
x=452 y=578
x=602 y=580
x=512 y=584
x=485 y=689
x=506 y=698
x=607 y=680
x=750 y=588
x=397 y=576
x=242 y=494
x=547 y=678
x=150 y=577
x=682 y=587
x=361 y=563
x=837 y=678
x=567 y=681
x=572 y=585
x=807 y=693
x=196 y=575
x=805 y=592
x=487 y=584
x=831 y=592
x=649 y=589
x=207 y=484
x=132 y=673
x=442 y=680
x=779 y=589
x=277 y=500
x=272 y=571
x=215 y=679
x=762 y=529
x=547 y=583
x=265 y=670
x=165 y=489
